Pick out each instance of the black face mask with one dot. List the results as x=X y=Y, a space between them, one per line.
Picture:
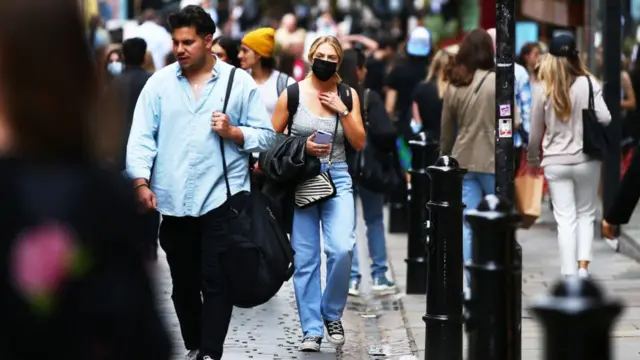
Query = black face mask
x=323 y=69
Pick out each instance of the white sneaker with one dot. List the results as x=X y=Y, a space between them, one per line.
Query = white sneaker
x=207 y=358
x=583 y=273
x=311 y=344
x=192 y=355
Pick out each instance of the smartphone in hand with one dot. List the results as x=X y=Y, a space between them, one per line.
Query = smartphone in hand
x=323 y=137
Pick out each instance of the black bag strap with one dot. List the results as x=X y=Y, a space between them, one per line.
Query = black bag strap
x=293 y=97
x=343 y=95
x=224 y=111
x=365 y=108
x=592 y=102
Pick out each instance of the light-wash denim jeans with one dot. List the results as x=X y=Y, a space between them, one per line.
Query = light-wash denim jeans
x=474 y=187
x=372 y=209
x=336 y=216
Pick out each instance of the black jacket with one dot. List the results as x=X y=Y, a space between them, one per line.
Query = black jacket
x=128 y=87
x=284 y=166
x=106 y=308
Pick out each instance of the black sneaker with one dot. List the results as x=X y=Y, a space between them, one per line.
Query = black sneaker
x=335 y=332
x=311 y=344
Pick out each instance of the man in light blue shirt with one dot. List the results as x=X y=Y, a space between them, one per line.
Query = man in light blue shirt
x=175 y=142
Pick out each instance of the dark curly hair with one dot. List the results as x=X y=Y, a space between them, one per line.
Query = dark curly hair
x=193 y=16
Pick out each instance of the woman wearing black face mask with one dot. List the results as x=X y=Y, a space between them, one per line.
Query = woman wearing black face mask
x=322 y=117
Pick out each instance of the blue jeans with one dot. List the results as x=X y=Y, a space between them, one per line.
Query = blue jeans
x=474 y=187
x=336 y=216
x=372 y=208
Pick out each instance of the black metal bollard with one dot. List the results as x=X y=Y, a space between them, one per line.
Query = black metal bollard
x=444 y=246
x=577 y=321
x=491 y=317
x=424 y=153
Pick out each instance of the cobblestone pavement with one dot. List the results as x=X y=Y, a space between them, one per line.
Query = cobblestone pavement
x=375 y=328
x=618 y=275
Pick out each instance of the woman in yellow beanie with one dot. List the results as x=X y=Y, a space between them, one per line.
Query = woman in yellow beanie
x=257 y=56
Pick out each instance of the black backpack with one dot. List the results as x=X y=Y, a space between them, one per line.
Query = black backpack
x=293 y=99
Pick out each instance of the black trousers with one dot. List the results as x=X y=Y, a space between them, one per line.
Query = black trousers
x=628 y=194
x=193 y=247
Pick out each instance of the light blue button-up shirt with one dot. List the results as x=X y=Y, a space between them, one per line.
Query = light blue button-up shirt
x=171 y=136
x=523 y=101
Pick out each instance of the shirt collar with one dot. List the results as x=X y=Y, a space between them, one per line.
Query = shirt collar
x=215 y=71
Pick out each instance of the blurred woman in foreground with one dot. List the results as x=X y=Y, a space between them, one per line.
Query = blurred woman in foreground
x=73 y=280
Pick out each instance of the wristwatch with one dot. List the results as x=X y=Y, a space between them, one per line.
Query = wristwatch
x=344 y=113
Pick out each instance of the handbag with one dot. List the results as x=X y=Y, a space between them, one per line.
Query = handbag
x=373 y=168
x=594 y=139
x=260 y=259
x=528 y=192
x=319 y=188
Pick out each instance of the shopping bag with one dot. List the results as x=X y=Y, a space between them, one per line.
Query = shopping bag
x=528 y=191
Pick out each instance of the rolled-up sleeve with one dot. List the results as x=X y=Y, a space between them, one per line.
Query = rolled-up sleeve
x=255 y=122
x=142 y=146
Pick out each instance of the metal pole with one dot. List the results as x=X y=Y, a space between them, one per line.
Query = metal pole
x=577 y=321
x=424 y=153
x=494 y=274
x=504 y=162
x=444 y=245
x=611 y=56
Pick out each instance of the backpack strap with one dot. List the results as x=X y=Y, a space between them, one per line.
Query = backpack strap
x=344 y=91
x=281 y=82
x=365 y=106
x=293 y=98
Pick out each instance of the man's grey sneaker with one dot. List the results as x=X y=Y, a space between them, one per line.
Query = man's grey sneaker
x=311 y=344
x=335 y=332
x=354 y=287
x=382 y=284
x=192 y=355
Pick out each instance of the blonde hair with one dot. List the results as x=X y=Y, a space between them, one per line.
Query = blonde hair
x=335 y=44
x=437 y=70
x=148 y=62
x=558 y=74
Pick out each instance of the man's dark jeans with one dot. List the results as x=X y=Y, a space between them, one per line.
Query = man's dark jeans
x=193 y=247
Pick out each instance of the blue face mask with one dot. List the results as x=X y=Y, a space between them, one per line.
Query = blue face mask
x=415 y=127
x=115 y=68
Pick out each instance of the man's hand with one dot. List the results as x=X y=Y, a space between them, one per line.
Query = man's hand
x=146 y=198
x=221 y=125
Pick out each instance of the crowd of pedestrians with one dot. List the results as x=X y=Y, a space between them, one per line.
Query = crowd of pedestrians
x=164 y=135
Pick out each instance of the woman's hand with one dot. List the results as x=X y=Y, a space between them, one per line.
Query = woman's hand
x=332 y=101
x=318 y=150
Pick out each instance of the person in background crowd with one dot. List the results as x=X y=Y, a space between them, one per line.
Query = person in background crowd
x=257 y=56
x=427 y=97
x=406 y=74
x=625 y=201
x=523 y=106
x=353 y=71
x=180 y=99
x=114 y=63
x=556 y=124
x=378 y=63
x=530 y=57
x=157 y=37
x=468 y=121
x=288 y=34
x=73 y=277
x=227 y=50
x=125 y=90
x=320 y=106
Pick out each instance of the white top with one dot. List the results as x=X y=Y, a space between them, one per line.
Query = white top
x=159 y=42
x=269 y=91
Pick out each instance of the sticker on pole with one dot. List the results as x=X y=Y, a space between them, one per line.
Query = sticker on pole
x=505 y=110
x=505 y=128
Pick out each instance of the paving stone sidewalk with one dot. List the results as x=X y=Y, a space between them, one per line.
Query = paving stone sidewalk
x=375 y=327
x=619 y=276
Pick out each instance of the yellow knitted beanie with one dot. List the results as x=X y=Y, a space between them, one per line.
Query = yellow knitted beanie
x=261 y=41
